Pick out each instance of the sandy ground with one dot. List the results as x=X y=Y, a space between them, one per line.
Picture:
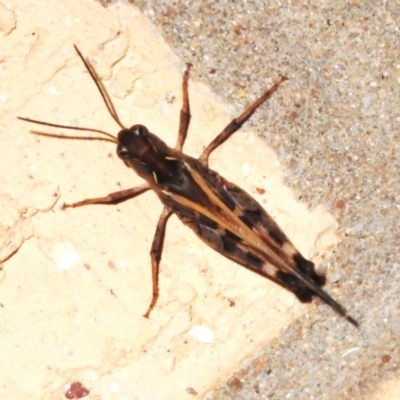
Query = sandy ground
x=75 y=283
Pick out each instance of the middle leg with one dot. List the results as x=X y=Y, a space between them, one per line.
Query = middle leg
x=155 y=253
x=236 y=123
x=112 y=198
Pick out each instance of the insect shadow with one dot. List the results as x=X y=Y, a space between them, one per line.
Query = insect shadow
x=221 y=214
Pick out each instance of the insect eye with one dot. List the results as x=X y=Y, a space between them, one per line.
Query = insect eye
x=122 y=151
x=139 y=130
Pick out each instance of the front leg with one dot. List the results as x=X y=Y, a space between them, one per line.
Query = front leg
x=155 y=253
x=184 y=119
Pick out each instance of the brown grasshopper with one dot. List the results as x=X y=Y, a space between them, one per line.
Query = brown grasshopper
x=221 y=214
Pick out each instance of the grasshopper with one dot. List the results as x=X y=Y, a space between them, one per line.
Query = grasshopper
x=221 y=214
